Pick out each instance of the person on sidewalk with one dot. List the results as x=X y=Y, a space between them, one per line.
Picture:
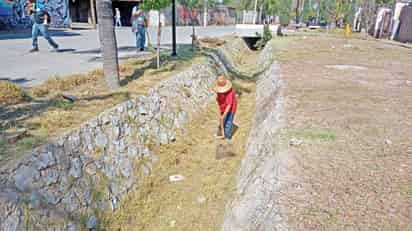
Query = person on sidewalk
x=227 y=101
x=41 y=20
x=118 y=18
x=139 y=24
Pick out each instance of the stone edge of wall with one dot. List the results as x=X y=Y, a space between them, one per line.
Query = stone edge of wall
x=63 y=184
x=254 y=206
x=265 y=58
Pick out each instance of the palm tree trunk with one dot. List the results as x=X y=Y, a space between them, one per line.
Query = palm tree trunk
x=158 y=41
x=108 y=43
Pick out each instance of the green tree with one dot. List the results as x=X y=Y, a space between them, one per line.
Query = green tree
x=108 y=43
x=282 y=8
x=156 y=5
x=335 y=10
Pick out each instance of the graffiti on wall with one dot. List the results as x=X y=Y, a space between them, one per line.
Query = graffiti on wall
x=5 y=8
x=59 y=12
x=14 y=13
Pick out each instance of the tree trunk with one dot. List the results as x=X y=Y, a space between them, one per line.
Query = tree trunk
x=158 y=41
x=149 y=42
x=193 y=35
x=205 y=13
x=93 y=13
x=108 y=44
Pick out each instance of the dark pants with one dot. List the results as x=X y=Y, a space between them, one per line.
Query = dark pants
x=227 y=126
x=140 y=37
x=44 y=30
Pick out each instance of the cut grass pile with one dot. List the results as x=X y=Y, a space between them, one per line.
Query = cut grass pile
x=197 y=202
x=57 y=84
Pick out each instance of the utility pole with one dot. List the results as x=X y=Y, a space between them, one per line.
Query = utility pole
x=173 y=28
x=297 y=11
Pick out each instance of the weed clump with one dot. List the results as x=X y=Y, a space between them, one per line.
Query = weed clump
x=266 y=37
x=11 y=93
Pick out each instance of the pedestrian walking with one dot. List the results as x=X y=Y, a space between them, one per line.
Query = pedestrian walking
x=139 y=24
x=227 y=101
x=118 y=18
x=41 y=20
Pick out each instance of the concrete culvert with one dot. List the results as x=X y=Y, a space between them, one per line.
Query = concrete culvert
x=251 y=42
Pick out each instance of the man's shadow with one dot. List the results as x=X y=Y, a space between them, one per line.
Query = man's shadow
x=224 y=148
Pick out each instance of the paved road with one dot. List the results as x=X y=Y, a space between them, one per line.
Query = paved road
x=79 y=52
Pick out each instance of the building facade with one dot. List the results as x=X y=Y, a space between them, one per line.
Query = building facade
x=66 y=13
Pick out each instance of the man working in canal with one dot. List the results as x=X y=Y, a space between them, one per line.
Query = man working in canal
x=227 y=101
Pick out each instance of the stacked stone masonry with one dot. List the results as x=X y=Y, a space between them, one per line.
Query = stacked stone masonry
x=64 y=184
x=255 y=206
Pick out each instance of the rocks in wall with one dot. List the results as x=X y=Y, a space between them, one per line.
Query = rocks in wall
x=254 y=206
x=226 y=55
x=65 y=184
x=266 y=56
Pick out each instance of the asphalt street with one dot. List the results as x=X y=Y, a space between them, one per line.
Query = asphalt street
x=79 y=51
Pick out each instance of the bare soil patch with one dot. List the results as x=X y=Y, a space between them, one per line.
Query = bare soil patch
x=352 y=166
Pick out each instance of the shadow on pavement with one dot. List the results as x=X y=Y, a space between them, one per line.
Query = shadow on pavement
x=97 y=50
x=17 y=81
x=66 y=50
x=27 y=34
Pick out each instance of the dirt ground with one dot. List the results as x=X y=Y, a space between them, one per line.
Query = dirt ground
x=197 y=202
x=348 y=116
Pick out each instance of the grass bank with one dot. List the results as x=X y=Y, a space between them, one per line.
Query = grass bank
x=41 y=112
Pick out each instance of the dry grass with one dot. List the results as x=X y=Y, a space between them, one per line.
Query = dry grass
x=57 y=84
x=11 y=93
x=56 y=115
x=160 y=205
x=353 y=170
x=212 y=41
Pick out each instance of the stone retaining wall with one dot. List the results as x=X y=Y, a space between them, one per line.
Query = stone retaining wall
x=65 y=184
x=254 y=206
x=227 y=53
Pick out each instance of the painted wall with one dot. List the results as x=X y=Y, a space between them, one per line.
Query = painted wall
x=13 y=13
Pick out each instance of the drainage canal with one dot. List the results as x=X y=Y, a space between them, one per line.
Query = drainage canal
x=251 y=41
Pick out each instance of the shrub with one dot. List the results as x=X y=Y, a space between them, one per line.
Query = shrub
x=266 y=37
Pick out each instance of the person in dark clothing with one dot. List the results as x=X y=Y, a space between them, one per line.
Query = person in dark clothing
x=41 y=20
